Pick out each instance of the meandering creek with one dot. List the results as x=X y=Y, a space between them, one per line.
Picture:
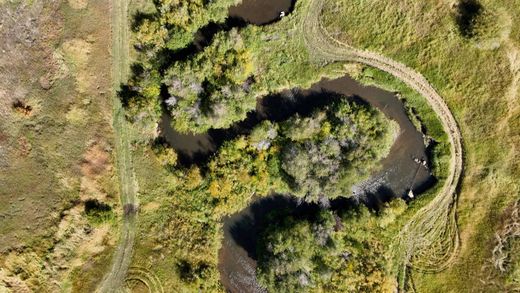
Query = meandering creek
x=402 y=170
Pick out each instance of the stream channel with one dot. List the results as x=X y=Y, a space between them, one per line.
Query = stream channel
x=405 y=168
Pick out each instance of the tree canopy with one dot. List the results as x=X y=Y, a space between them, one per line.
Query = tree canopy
x=325 y=252
x=213 y=88
x=317 y=156
x=175 y=21
x=335 y=147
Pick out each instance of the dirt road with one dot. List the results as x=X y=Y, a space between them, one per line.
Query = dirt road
x=115 y=277
x=430 y=240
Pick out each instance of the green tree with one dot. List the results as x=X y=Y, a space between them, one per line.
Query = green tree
x=335 y=147
x=239 y=172
x=323 y=253
x=211 y=89
x=165 y=154
x=175 y=22
x=293 y=254
x=140 y=98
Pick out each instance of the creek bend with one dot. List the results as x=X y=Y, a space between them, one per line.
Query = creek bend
x=399 y=172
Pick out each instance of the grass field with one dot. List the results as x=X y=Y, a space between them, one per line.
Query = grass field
x=56 y=144
x=478 y=77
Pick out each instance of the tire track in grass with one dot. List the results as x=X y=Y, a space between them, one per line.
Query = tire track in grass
x=142 y=276
x=115 y=277
x=430 y=240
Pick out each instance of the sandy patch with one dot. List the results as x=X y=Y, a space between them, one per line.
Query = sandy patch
x=61 y=70
x=10 y=283
x=96 y=162
x=77 y=52
x=5 y=103
x=22 y=272
x=151 y=206
x=78 y=4
x=76 y=116
x=96 y=242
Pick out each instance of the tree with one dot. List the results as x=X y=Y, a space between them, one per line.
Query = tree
x=165 y=154
x=293 y=254
x=240 y=171
x=333 y=148
x=140 y=98
x=323 y=252
x=175 y=22
x=211 y=90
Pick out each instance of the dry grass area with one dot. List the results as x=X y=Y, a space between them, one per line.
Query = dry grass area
x=508 y=232
x=501 y=273
x=94 y=167
x=55 y=143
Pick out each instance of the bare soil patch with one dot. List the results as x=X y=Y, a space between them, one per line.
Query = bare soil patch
x=95 y=161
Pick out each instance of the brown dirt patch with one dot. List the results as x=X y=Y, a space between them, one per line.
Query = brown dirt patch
x=24 y=146
x=95 y=165
x=95 y=161
x=3 y=137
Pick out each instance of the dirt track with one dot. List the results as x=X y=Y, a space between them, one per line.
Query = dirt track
x=115 y=277
x=430 y=240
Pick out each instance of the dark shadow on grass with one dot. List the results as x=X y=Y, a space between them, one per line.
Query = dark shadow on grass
x=466 y=16
x=126 y=94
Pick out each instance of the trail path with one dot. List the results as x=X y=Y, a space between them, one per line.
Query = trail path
x=115 y=277
x=429 y=241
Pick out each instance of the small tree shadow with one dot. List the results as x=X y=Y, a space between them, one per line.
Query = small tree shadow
x=139 y=18
x=466 y=16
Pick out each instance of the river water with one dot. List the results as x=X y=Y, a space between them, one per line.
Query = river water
x=399 y=170
x=399 y=173
x=261 y=12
